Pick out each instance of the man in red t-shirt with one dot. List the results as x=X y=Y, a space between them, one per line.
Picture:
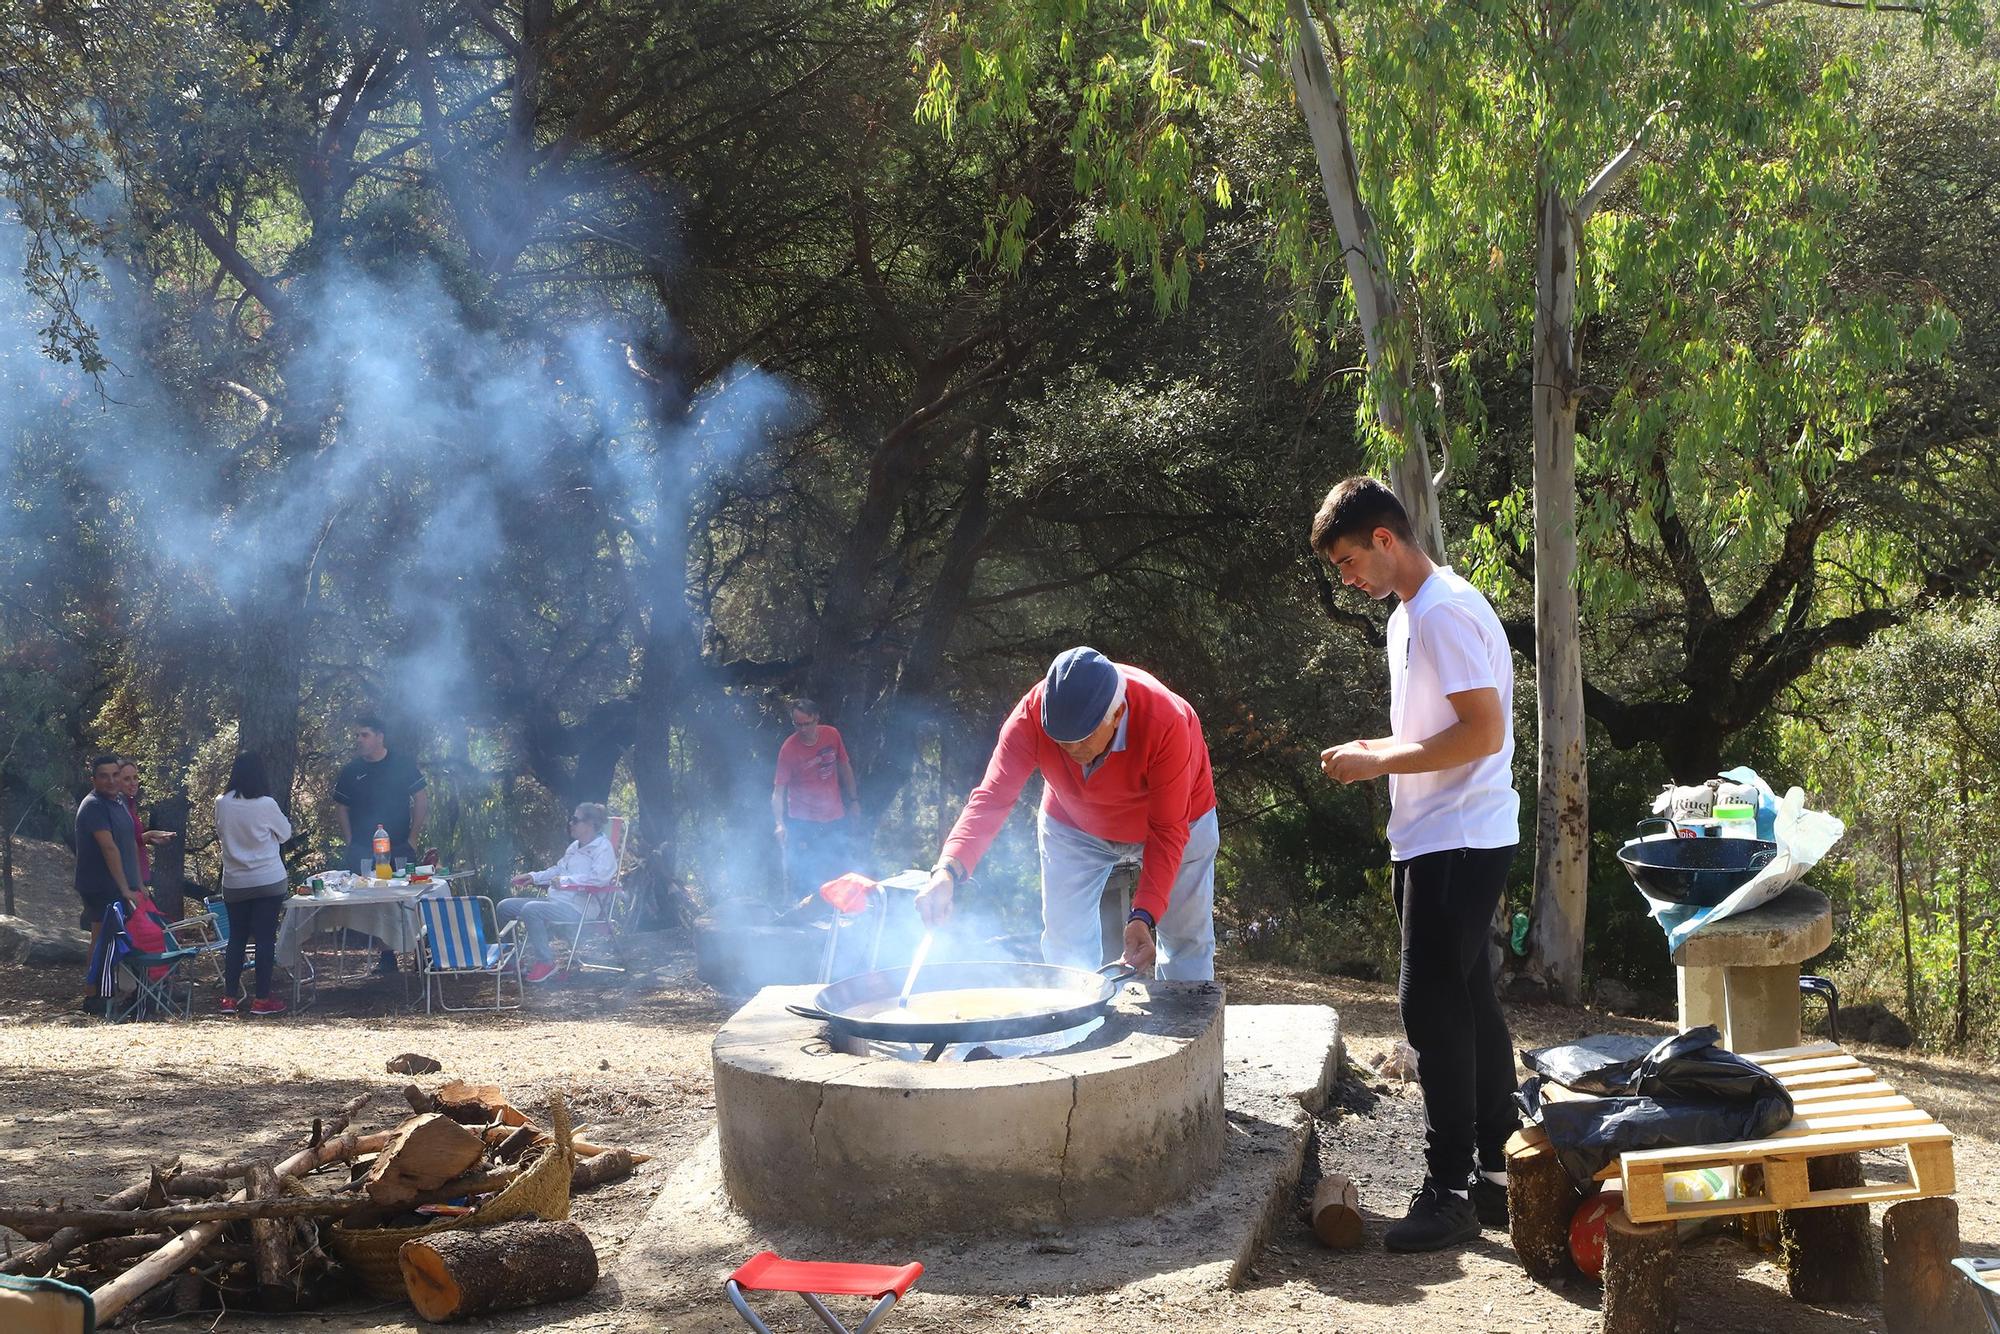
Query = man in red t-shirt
x=1126 y=781
x=810 y=796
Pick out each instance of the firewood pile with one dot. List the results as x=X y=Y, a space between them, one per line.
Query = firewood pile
x=253 y=1234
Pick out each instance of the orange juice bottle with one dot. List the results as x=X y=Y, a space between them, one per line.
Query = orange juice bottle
x=384 y=868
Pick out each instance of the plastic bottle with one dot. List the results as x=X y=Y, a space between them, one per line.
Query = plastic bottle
x=1737 y=821
x=384 y=868
x=1518 y=937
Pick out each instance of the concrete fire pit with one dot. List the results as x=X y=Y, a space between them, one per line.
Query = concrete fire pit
x=1127 y=1121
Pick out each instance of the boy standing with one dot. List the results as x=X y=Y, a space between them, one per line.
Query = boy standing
x=1454 y=824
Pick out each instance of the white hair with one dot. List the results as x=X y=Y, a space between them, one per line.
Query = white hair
x=1117 y=701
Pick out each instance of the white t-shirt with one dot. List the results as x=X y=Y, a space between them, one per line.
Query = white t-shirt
x=1444 y=640
x=250 y=832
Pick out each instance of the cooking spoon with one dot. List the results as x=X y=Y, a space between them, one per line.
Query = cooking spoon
x=916 y=962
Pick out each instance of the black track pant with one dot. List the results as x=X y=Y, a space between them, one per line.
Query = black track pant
x=252 y=922
x=1465 y=1059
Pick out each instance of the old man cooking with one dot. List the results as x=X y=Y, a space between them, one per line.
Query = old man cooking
x=1126 y=780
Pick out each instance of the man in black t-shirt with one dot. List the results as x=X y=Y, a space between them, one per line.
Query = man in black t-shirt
x=379 y=787
x=107 y=847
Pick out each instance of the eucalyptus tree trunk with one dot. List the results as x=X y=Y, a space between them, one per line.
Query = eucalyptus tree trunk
x=1562 y=823
x=1383 y=334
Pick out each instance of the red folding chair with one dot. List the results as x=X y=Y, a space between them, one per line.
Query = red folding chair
x=766 y=1272
x=608 y=906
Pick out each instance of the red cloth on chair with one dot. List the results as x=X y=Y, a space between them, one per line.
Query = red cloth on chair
x=767 y=1272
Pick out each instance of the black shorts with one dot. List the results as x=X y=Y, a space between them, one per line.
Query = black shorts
x=93 y=908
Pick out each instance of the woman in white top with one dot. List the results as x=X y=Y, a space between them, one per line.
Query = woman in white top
x=589 y=860
x=251 y=828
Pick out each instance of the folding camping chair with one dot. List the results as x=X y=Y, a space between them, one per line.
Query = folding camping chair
x=44 y=1306
x=766 y=1272
x=171 y=993
x=609 y=907
x=206 y=933
x=459 y=943
x=1984 y=1276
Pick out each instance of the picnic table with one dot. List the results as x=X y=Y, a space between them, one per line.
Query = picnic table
x=1809 y=1173
x=384 y=909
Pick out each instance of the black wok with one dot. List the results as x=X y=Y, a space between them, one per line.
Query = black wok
x=1699 y=872
x=1074 y=997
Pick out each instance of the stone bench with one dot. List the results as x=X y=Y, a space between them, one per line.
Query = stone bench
x=1742 y=973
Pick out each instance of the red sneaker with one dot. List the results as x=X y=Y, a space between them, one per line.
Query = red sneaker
x=229 y=1005
x=268 y=1005
x=539 y=972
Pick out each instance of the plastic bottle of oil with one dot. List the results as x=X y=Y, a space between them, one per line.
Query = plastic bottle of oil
x=384 y=868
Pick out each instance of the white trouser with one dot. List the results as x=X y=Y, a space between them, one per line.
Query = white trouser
x=1075 y=866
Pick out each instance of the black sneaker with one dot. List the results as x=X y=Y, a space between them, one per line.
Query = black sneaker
x=1438 y=1219
x=1489 y=1201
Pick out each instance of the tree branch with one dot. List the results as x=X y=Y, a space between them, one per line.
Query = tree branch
x=1611 y=172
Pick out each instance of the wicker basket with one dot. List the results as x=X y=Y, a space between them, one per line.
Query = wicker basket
x=542 y=1190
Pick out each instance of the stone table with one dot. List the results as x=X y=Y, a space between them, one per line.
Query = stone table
x=1742 y=973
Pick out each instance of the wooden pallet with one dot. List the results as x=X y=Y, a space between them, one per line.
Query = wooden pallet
x=1840 y=1106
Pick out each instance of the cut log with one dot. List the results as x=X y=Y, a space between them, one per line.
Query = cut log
x=517 y=1142
x=617 y=1164
x=116 y=1295
x=269 y=1243
x=1828 y=1254
x=476 y=1104
x=1541 y=1199
x=1639 y=1263
x=1921 y=1292
x=420 y=1101
x=452 y=1275
x=427 y=1152
x=1335 y=1210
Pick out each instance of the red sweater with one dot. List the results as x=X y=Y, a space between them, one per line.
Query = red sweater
x=1149 y=793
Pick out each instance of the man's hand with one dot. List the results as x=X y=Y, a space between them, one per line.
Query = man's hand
x=934 y=899
x=155 y=837
x=520 y=881
x=1352 y=762
x=1140 y=950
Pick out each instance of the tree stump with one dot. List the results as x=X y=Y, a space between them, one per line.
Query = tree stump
x=452 y=1275
x=1828 y=1254
x=1921 y=1292
x=427 y=1152
x=1335 y=1211
x=1541 y=1199
x=1639 y=1263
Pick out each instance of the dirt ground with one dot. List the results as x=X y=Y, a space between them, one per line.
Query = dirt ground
x=84 y=1107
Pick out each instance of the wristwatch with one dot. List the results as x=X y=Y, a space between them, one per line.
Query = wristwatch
x=950 y=866
x=1141 y=915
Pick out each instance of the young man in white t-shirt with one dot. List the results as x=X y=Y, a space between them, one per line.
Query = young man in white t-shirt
x=1454 y=824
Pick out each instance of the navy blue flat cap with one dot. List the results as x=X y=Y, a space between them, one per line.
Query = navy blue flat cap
x=1077 y=693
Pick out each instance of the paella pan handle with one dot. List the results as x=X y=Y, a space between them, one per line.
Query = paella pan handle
x=1762 y=858
x=808 y=1012
x=1662 y=821
x=1118 y=972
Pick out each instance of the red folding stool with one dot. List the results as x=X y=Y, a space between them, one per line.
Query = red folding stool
x=767 y=1272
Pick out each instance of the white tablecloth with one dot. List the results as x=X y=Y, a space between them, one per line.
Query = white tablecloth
x=388 y=913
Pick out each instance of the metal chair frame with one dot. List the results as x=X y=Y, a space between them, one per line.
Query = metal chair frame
x=1975 y=1271
x=875 y=1316
x=769 y=1272
x=152 y=996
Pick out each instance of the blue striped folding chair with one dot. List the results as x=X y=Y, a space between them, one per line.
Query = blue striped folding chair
x=460 y=941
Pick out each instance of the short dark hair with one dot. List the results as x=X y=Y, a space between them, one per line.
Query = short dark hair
x=107 y=758
x=1356 y=508
x=246 y=777
x=371 y=721
x=800 y=704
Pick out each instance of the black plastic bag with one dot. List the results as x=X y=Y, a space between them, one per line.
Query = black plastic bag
x=1685 y=1091
x=1605 y=1063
